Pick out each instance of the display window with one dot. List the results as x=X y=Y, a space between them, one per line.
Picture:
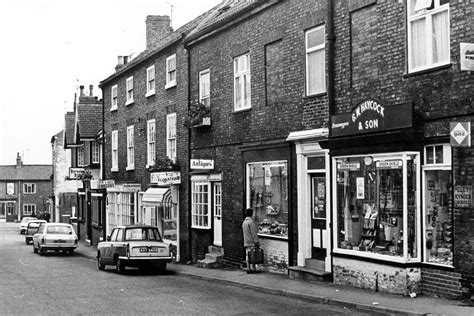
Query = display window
x=377 y=205
x=438 y=205
x=267 y=194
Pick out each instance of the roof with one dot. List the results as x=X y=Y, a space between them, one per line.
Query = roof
x=88 y=121
x=70 y=118
x=222 y=13
x=58 y=138
x=162 y=44
x=26 y=172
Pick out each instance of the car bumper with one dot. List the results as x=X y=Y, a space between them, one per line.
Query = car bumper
x=145 y=259
x=58 y=246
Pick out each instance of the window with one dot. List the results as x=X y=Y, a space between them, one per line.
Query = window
x=113 y=99
x=217 y=199
x=242 y=82
x=170 y=71
x=438 y=205
x=120 y=209
x=29 y=209
x=200 y=212
x=95 y=152
x=428 y=34
x=377 y=202
x=267 y=194
x=205 y=87
x=115 y=166
x=315 y=61
x=29 y=188
x=130 y=148
x=150 y=81
x=80 y=155
x=129 y=84
x=171 y=136
x=151 y=151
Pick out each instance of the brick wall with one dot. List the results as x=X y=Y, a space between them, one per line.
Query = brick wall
x=441 y=283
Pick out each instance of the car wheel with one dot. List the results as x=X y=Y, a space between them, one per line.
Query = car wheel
x=41 y=251
x=120 y=266
x=35 y=250
x=100 y=265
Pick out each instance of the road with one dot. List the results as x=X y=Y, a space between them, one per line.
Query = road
x=58 y=284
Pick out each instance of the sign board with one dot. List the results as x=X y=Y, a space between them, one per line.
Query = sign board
x=371 y=116
x=360 y=183
x=463 y=196
x=76 y=173
x=467 y=56
x=165 y=178
x=206 y=164
x=10 y=188
x=351 y=166
x=460 y=134
x=389 y=164
x=102 y=184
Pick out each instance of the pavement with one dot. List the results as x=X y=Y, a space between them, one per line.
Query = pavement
x=318 y=292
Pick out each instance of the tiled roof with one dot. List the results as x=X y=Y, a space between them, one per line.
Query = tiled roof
x=159 y=46
x=88 y=120
x=224 y=12
x=26 y=172
x=70 y=119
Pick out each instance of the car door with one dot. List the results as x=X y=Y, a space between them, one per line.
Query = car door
x=119 y=245
x=106 y=247
x=38 y=234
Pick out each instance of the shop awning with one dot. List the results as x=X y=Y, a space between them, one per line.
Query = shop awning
x=155 y=196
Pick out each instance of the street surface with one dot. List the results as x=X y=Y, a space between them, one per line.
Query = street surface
x=58 y=284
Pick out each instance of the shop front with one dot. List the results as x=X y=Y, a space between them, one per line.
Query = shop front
x=376 y=154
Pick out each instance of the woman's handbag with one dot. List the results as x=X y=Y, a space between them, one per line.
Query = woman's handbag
x=256 y=255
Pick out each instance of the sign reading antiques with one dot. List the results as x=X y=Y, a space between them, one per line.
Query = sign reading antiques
x=165 y=178
x=462 y=196
x=207 y=164
x=102 y=184
x=460 y=134
x=371 y=116
x=76 y=173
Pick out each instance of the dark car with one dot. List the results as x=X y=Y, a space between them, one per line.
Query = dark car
x=134 y=246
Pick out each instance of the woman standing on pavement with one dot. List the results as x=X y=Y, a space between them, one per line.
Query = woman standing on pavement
x=249 y=229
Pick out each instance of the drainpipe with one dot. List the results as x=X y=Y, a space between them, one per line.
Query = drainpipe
x=102 y=167
x=190 y=246
x=331 y=38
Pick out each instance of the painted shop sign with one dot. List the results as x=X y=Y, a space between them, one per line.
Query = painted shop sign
x=348 y=166
x=165 y=178
x=76 y=173
x=371 y=116
x=102 y=184
x=389 y=164
x=206 y=164
x=463 y=196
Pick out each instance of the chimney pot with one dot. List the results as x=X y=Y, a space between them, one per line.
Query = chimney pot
x=18 y=160
x=82 y=91
x=91 y=92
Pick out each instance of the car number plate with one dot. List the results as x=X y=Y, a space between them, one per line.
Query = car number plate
x=60 y=241
x=153 y=249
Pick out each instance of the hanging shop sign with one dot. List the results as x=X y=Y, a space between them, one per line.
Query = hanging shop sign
x=462 y=196
x=467 y=56
x=102 y=184
x=460 y=134
x=206 y=164
x=76 y=173
x=371 y=116
x=165 y=178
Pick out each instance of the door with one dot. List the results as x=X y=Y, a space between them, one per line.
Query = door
x=217 y=211
x=318 y=216
x=2 y=210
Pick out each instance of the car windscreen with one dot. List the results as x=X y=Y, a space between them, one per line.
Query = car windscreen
x=58 y=230
x=33 y=225
x=142 y=233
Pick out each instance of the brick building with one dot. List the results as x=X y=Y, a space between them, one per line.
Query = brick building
x=25 y=190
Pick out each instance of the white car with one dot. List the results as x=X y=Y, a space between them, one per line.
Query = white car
x=32 y=229
x=55 y=236
x=24 y=223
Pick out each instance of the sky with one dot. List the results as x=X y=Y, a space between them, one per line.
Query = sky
x=51 y=47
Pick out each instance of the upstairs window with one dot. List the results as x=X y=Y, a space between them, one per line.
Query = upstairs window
x=80 y=156
x=113 y=99
x=315 y=61
x=151 y=151
x=242 y=82
x=115 y=150
x=29 y=188
x=170 y=71
x=150 y=80
x=95 y=152
x=171 y=136
x=205 y=87
x=130 y=148
x=129 y=91
x=428 y=34
x=29 y=209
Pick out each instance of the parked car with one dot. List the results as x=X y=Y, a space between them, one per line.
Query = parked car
x=24 y=222
x=135 y=246
x=32 y=229
x=55 y=236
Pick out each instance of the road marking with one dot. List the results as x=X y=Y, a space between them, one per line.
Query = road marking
x=25 y=264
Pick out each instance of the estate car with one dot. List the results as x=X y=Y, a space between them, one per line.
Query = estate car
x=134 y=246
x=24 y=222
x=55 y=236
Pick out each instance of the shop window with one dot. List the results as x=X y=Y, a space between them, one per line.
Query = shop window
x=29 y=188
x=376 y=202
x=111 y=208
x=438 y=205
x=200 y=208
x=428 y=34
x=267 y=194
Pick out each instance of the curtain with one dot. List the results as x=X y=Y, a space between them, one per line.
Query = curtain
x=316 y=72
x=418 y=43
x=441 y=37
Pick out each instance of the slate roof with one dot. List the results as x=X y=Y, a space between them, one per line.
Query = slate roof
x=165 y=42
x=26 y=172
x=88 y=120
x=69 y=128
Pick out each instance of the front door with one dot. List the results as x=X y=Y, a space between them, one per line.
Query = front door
x=217 y=207
x=318 y=216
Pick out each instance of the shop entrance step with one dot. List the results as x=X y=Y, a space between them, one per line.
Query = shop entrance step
x=312 y=271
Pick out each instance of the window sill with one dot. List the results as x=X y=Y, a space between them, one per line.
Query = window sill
x=199 y=227
x=170 y=85
x=242 y=110
x=284 y=238
x=112 y=109
x=316 y=95
x=130 y=168
x=150 y=93
x=129 y=102
x=114 y=169
x=376 y=256
x=425 y=71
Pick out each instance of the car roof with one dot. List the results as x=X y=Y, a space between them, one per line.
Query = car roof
x=135 y=226
x=37 y=221
x=28 y=218
x=58 y=224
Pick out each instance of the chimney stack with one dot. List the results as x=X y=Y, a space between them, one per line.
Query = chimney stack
x=18 y=161
x=157 y=27
x=91 y=90
x=82 y=91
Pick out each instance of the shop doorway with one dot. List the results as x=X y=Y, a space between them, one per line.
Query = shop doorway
x=217 y=206
x=318 y=216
